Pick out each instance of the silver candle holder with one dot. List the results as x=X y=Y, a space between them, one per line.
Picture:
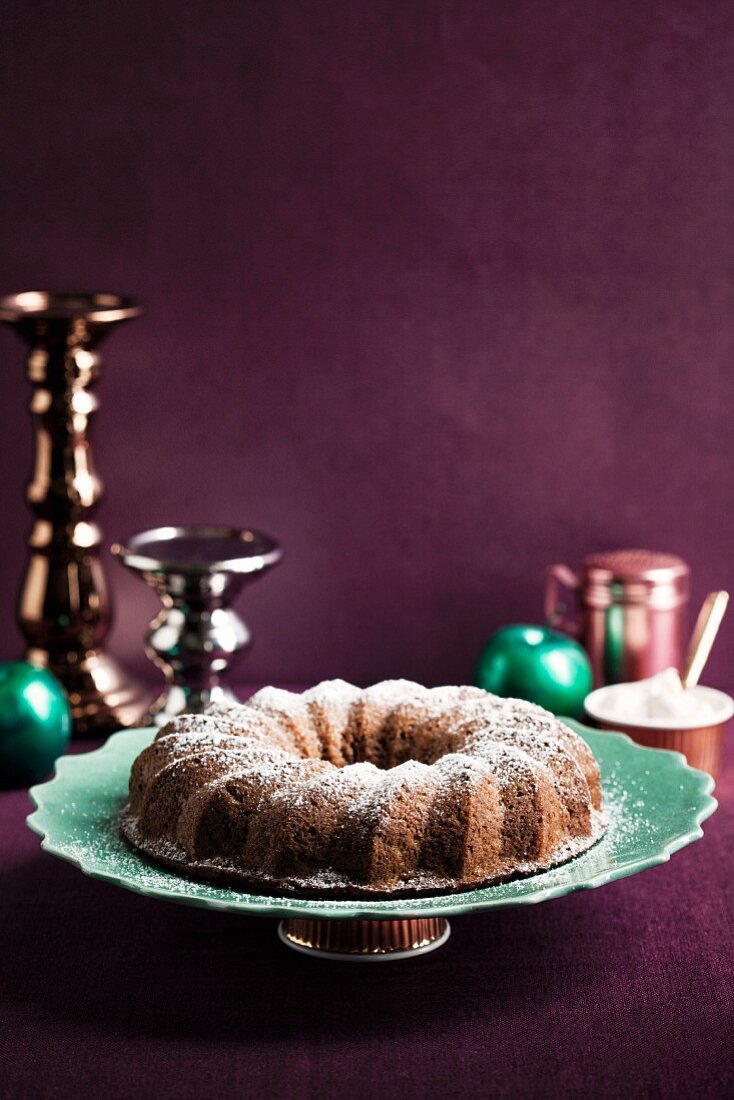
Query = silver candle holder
x=197 y=572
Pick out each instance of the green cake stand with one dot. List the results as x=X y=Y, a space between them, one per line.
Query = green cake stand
x=654 y=801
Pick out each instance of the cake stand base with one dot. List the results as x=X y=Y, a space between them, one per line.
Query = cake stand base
x=365 y=940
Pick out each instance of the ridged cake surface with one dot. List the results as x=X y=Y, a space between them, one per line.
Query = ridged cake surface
x=392 y=790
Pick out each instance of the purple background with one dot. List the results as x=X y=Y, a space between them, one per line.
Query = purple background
x=438 y=293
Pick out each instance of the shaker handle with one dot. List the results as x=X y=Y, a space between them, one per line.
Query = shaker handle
x=558 y=577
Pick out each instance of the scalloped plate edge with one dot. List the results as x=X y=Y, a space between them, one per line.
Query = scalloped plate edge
x=446 y=905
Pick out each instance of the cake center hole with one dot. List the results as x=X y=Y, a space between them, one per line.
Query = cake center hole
x=388 y=753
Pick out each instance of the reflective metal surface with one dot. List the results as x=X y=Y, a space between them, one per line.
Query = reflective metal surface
x=64 y=608
x=632 y=611
x=197 y=572
x=365 y=940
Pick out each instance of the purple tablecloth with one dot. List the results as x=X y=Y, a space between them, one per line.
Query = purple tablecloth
x=626 y=990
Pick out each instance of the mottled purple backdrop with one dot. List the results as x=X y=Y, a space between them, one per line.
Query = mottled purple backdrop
x=437 y=293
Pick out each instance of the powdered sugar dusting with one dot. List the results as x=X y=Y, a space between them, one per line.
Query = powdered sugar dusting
x=338 y=786
x=474 y=733
x=278 y=699
x=397 y=690
x=378 y=799
x=333 y=691
x=326 y=882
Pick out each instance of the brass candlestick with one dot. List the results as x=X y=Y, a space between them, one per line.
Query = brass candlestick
x=64 y=608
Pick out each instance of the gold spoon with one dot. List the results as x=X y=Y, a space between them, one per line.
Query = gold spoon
x=703 y=637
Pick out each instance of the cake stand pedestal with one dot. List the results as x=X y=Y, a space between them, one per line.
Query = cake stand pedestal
x=365 y=940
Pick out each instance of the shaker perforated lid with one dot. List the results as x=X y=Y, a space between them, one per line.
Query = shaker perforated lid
x=636 y=576
x=635 y=565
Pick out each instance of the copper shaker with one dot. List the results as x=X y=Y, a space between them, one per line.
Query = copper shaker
x=631 y=611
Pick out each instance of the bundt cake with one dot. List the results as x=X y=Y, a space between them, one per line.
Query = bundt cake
x=392 y=790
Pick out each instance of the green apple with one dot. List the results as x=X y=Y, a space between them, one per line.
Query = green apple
x=534 y=663
x=35 y=723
